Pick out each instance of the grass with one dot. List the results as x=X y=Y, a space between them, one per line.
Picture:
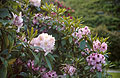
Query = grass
x=95 y=12
x=115 y=75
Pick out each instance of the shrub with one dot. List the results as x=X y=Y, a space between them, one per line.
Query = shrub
x=41 y=42
x=114 y=39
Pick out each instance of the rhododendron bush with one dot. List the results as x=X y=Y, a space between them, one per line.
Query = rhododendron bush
x=39 y=41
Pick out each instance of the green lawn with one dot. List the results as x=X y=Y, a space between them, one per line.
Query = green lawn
x=115 y=75
x=96 y=12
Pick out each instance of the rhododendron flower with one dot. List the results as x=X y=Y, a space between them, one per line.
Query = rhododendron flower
x=50 y=74
x=81 y=32
x=31 y=64
x=83 y=53
x=96 y=60
x=69 y=70
x=98 y=46
x=85 y=30
x=42 y=70
x=36 y=3
x=44 y=41
x=103 y=47
x=18 y=21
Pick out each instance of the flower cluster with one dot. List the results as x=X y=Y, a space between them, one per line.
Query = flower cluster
x=18 y=21
x=44 y=41
x=96 y=60
x=36 y=3
x=50 y=74
x=31 y=64
x=81 y=32
x=38 y=17
x=69 y=70
x=97 y=45
x=42 y=70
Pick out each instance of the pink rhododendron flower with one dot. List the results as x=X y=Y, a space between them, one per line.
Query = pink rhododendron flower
x=97 y=45
x=83 y=53
x=85 y=30
x=50 y=74
x=42 y=70
x=103 y=47
x=31 y=64
x=96 y=60
x=18 y=21
x=80 y=32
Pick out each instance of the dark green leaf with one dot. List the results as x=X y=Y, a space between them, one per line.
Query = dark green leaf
x=82 y=44
x=49 y=55
x=36 y=57
x=3 y=71
x=63 y=42
x=23 y=74
x=99 y=74
x=48 y=63
x=87 y=67
x=4 y=12
x=4 y=61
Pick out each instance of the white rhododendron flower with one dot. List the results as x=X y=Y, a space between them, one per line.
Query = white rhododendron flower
x=36 y=3
x=44 y=41
x=18 y=21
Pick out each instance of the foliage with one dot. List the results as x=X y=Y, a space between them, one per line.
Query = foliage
x=23 y=53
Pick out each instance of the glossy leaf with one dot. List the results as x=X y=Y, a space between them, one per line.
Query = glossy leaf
x=48 y=63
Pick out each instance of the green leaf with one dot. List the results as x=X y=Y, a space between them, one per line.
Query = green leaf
x=70 y=39
x=35 y=34
x=63 y=42
x=36 y=57
x=41 y=58
x=106 y=39
x=90 y=45
x=32 y=30
x=4 y=12
x=99 y=74
x=87 y=67
x=4 y=52
x=82 y=45
x=49 y=55
x=3 y=71
x=4 y=61
x=23 y=74
x=48 y=63
x=42 y=28
x=5 y=22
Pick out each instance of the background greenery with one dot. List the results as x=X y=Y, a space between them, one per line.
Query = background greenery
x=97 y=12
